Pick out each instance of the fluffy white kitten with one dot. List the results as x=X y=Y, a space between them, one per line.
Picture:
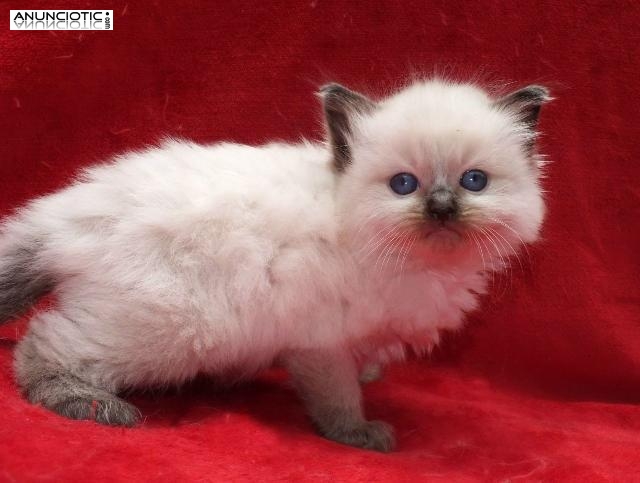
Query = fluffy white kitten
x=223 y=259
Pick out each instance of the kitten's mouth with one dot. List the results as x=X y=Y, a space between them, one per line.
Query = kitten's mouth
x=442 y=233
x=440 y=228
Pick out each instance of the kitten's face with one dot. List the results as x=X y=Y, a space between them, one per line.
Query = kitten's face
x=443 y=169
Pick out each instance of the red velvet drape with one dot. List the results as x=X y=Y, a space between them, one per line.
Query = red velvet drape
x=544 y=383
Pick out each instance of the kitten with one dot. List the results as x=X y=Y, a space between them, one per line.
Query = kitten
x=327 y=258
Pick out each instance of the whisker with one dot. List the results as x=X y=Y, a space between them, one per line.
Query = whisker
x=508 y=227
x=393 y=244
x=492 y=267
x=384 y=229
x=503 y=259
x=514 y=252
x=414 y=238
x=374 y=242
x=387 y=250
x=484 y=264
x=405 y=239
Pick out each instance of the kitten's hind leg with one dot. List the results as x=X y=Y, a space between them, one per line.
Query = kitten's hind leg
x=328 y=383
x=46 y=382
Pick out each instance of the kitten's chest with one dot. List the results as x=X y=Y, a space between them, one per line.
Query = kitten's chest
x=414 y=306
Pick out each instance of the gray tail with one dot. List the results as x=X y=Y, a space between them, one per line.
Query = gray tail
x=22 y=281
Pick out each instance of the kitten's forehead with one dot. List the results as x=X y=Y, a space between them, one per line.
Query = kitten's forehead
x=438 y=107
x=437 y=122
x=437 y=95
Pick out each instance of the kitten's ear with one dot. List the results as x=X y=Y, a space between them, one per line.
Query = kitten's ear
x=341 y=106
x=526 y=103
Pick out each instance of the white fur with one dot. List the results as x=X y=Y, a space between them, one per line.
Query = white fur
x=218 y=259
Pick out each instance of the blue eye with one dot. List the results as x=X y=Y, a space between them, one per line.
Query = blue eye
x=474 y=180
x=403 y=183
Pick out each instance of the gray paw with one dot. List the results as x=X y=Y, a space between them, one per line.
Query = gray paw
x=375 y=435
x=110 y=411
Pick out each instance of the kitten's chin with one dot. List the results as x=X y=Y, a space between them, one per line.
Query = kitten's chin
x=445 y=247
x=443 y=238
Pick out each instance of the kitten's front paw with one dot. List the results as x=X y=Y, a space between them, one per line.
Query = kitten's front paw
x=111 y=411
x=375 y=435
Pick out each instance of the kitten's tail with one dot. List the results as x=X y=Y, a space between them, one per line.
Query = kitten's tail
x=22 y=279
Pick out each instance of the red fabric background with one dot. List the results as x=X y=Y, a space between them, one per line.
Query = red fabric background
x=545 y=381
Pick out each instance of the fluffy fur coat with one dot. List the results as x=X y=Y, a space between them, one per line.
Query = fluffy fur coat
x=225 y=258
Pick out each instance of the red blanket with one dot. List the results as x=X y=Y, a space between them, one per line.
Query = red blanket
x=542 y=385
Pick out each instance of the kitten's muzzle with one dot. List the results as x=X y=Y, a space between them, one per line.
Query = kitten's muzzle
x=442 y=205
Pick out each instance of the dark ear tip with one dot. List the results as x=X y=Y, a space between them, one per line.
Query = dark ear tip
x=533 y=94
x=330 y=89
x=539 y=93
